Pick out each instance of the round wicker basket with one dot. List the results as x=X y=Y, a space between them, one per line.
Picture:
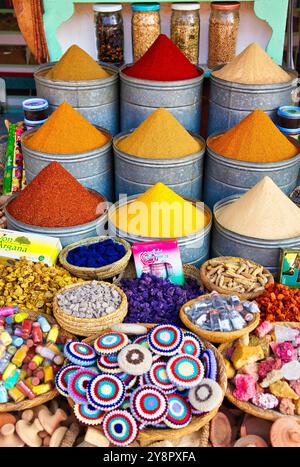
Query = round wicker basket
x=149 y=435
x=247 y=407
x=210 y=286
x=105 y=272
x=43 y=398
x=216 y=337
x=88 y=326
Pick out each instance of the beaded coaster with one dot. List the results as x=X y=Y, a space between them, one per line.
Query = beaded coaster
x=108 y=363
x=179 y=412
x=128 y=380
x=210 y=364
x=191 y=345
x=88 y=414
x=80 y=353
x=159 y=378
x=78 y=383
x=62 y=377
x=149 y=404
x=142 y=340
x=111 y=342
x=206 y=396
x=135 y=359
x=106 y=392
x=165 y=339
x=185 y=371
x=120 y=428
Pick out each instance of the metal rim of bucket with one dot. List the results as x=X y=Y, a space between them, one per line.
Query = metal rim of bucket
x=138 y=82
x=255 y=88
x=166 y=163
x=254 y=166
x=59 y=231
x=77 y=157
x=138 y=238
x=243 y=239
x=91 y=83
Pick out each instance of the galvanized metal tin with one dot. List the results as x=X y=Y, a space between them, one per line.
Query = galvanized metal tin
x=230 y=102
x=93 y=169
x=134 y=175
x=265 y=252
x=97 y=100
x=66 y=235
x=139 y=98
x=194 y=249
x=225 y=177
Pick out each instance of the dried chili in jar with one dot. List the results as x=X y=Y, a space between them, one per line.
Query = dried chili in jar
x=110 y=33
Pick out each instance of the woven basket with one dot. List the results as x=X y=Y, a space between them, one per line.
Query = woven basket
x=247 y=407
x=43 y=398
x=211 y=286
x=88 y=326
x=149 y=435
x=105 y=272
x=216 y=337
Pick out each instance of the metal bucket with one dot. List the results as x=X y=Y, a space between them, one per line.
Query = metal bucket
x=194 y=249
x=134 y=175
x=225 y=177
x=93 y=169
x=230 y=102
x=139 y=98
x=97 y=100
x=66 y=235
x=264 y=252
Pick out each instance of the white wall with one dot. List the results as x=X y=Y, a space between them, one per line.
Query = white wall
x=80 y=29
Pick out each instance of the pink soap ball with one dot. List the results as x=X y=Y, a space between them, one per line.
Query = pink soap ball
x=296 y=386
x=284 y=350
x=245 y=387
x=265 y=401
x=268 y=365
x=250 y=369
x=287 y=406
x=263 y=329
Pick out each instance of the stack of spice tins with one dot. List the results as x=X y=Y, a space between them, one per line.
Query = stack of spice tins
x=158 y=378
x=162 y=77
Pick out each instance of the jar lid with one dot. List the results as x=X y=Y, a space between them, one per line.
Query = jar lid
x=145 y=6
x=107 y=8
x=34 y=122
x=289 y=111
x=36 y=103
x=185 y=6
x=225 y=5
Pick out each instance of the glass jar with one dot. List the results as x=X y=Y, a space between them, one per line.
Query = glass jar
x=110 y=33
x=145 y=27
x=223 y=29
x=185 y=29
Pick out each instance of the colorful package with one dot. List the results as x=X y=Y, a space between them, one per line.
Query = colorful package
x=161 y=259
x=290 y=268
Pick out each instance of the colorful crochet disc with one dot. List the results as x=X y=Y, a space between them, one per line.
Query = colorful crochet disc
x=135 y=359
x=80 y=353
x=185 y=371
x=142 y=340
x=120 y=428
x=88 y=414
x=179 y=412
x=210 y=364
x=78 y=383
x=106 y=392
x=149 y=404
x=111 y=342
x=62 y=377
x=165 y=339
x=159 y=378
x=191 y=345
x=108 y=363
x=128 y=380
